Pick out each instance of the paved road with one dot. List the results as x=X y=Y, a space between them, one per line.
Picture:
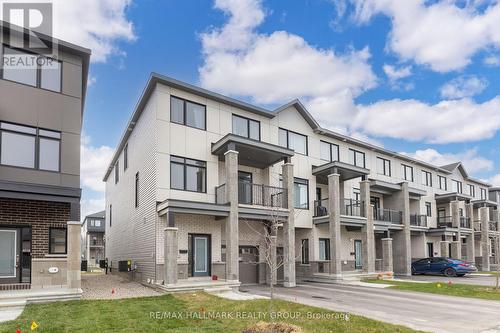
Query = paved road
x=483 y=280
x=427 y=312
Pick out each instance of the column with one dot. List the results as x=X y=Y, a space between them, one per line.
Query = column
x=456 y=250
x=171 y=254
x=368 y=229
x=232 y=250
x=289 y=228
x=402 y=239
x=74 y=254
x=471 y=248
x=334 y=224
x=455 y=222
x=484 y=214
x=387 y=263
x=87 y=237
x=445 y=246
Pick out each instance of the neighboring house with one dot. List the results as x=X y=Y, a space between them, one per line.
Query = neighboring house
x=197 y=176
x=93 y=242
x=40 y=130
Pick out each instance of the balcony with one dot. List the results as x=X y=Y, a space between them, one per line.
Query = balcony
x=465 y=222
x=388 y=215
x=444 y=222
x=493 y=226
x=348 y=207
x=255 y=194
x=418 y=220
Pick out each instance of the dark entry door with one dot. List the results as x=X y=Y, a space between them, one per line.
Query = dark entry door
x=199 y=255
x=358 y=254
x=430 y=250
x=10 y=252
x=249 y=265
x=245 y=187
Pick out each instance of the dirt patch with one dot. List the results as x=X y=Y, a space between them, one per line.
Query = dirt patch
x=263 y=327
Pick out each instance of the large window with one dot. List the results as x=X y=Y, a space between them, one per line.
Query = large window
x=483 y=194
x=428 y=209
x=29 y=147
x=329 y=151
x=426 y=178
x=305 y=251
x=31 y=69
x=324 y=249
x=472 y=190
x=187 y=113
x=456 y=186
x=407 y=172
x=188 y=174
x=357 y=158
x=248 y=128
x=301 y=193
x=292 y=140
x=383 y=166
x=442 y=183
x=57 y=241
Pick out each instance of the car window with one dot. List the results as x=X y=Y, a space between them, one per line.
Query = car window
x=423 y=261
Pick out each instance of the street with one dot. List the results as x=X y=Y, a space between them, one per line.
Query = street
x=427 y=312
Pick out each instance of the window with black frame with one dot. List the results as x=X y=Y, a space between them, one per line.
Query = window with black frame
x=188 y=174
x=301 y=193
x=187 y=113
x=29 y=147
x=357 y=158
x=293 y=140
x=383 y=166
x=329 y=151
x=407 y=172
x=246 y=127
x=324 y=249
x=57 y=241
x=305 y=252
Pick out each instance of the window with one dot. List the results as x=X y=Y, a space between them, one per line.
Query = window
x=357 y=158
x=305 y=251
x=292 y=140
x=31 y=69
x=407 y=172
x=246 y=127
x=383 y=166
x=97 y=223
x=426 y=178
x=188 y=174
x=29 y=147
x=187 y=113
x=356 y=194
x=472 y=190
x=117 y=172
x=136 y=196
x=428 y=209
x=125 y=157
x=456 y=186
x=442 y=183
x=483 y=194
x=110 y=214
x=57 y=240
x=329 y=151
x=301 y=189
x=324 y=249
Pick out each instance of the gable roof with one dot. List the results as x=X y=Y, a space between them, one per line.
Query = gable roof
x=158 y=78
x=101 y=214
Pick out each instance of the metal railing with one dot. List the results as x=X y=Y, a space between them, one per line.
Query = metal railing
x=262 y=195
x=493 y=225
x=464 y=222
x=220 y=194
x=321 y=207
x=418 y=220
x=388 y=215
x=351 y=207
x=477 y=225
x=445 y=222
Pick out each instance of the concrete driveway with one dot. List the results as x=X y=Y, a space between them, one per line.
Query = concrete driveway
x=426 y=312
x=478 y=279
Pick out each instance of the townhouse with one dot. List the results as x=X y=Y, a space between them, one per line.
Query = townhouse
x=198 y=178
x=41 y=106
x=93 y=241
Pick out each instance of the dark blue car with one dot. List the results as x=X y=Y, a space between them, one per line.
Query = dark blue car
x=441 y=265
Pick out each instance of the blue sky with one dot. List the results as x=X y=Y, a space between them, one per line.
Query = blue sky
x=415 y=78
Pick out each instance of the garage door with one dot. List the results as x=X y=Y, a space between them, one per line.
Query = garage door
x=249 y=268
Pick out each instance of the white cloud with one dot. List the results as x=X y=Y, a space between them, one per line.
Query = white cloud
x=470 y=159
x=440 y=34
x=492 y=61
x=445 y=122
x=463 y=86
x=495 y=180
x=395 y=74
x=91 y=206
x=94 y=161
x=95 y=24
x=274 y=68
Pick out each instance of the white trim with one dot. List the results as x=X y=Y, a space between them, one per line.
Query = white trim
x=15 y=254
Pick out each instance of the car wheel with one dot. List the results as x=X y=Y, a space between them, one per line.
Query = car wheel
x=450 y=272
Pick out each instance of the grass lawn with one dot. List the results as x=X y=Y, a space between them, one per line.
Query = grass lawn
x=443 y=288
x=135 y=315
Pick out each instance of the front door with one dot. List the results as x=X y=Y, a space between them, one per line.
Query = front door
x=249 y=265
x=358 y=250
x=245 y=187
x=430 y=250
x=9 y=256
x=200 y=255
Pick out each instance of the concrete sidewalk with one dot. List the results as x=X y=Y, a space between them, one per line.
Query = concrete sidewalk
x=420 y=311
